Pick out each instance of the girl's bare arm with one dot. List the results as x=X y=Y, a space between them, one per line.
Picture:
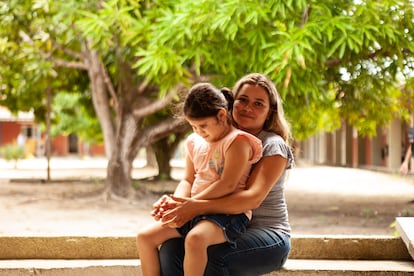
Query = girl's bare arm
x=184 y=186
x=183 y=189
x=236 y=162
x=265 y=174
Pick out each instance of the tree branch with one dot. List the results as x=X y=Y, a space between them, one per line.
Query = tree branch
x=157 y=105
x=336 y=62
x=67 y=51
x=142 y=87
x=58 y=62
x=156 y=132
x=69 y=64
x=305 y=15
x=110 y=86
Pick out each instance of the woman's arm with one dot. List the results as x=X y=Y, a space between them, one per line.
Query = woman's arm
x=267 y=171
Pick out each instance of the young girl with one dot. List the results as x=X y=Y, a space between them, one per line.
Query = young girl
x=218 y=161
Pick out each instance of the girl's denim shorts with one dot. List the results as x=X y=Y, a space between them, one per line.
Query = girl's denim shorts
x=233 y=225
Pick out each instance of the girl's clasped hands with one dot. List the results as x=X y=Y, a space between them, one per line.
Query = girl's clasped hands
x=165 y=209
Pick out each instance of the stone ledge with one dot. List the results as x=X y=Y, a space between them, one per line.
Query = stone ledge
x=346 y=247
x=345 y=267
x=303 y=247
x=131 y=267
x=71 y=247
x=70 y=267
x=405 y=226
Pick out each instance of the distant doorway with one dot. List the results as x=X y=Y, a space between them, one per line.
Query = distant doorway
x=73 y=143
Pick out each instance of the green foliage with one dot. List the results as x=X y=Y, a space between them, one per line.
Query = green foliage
x=73 y=113
x=30 y=29
x=331 y=60
x=13 y=152
x=393 y=226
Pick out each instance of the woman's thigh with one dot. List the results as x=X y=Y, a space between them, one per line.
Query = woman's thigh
x=258 y=251
x=172 y=257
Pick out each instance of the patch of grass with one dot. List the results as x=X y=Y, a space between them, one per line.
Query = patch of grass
x=368 y=213
x=393 y=226
x=321 y=218
x=405 y=213
x=155 y=185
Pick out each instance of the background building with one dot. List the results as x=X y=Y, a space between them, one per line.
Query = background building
x=344 y=147
x=11 y=126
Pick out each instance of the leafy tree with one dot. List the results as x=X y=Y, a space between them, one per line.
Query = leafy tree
x=330 y=60
x=96 y=38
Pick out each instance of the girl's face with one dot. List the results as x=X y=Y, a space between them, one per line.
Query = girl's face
x=211 y=129
x=251 y=108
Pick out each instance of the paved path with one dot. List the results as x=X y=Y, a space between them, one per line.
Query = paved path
x=318 y=179
x=321 y=199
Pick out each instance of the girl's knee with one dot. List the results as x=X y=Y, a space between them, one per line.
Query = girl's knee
x=195 y=241
x=139 y=238
x=143 y=237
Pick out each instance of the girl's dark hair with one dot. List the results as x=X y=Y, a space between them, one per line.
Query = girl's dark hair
x=205 y=100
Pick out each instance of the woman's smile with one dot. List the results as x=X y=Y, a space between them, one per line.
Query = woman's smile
x=246 y=115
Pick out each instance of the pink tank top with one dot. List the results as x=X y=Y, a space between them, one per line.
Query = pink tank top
x=208 y=158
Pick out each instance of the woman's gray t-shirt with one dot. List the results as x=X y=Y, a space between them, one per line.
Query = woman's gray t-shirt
x=273 y=211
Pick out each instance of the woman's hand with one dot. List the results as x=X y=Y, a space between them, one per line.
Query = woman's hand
x=183 y=210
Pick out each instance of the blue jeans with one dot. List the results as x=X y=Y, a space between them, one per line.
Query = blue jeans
x=233 y=225
x=258 y=251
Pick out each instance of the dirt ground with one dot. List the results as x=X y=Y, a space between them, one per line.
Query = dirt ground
x=321 y=201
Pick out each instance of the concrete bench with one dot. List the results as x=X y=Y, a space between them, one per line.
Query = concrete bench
x=405 y=226
x=101 y=256
x=112 y=267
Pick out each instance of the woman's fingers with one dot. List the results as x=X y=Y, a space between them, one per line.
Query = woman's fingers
x=171 y=223
x=169 y=219
x=180 y=214
x=179 y=199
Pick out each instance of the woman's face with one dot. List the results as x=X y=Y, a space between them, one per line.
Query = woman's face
x=251 y=108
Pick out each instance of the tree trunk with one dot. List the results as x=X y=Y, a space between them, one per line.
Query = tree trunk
x=164 y=151
x=118 y=180
x=100 y=99
x=119 y=169
x=121 y=113
x=48 y=134
x=150 y=156
x=118 y=132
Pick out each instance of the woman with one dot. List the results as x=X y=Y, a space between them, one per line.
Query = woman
x=265 y=246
